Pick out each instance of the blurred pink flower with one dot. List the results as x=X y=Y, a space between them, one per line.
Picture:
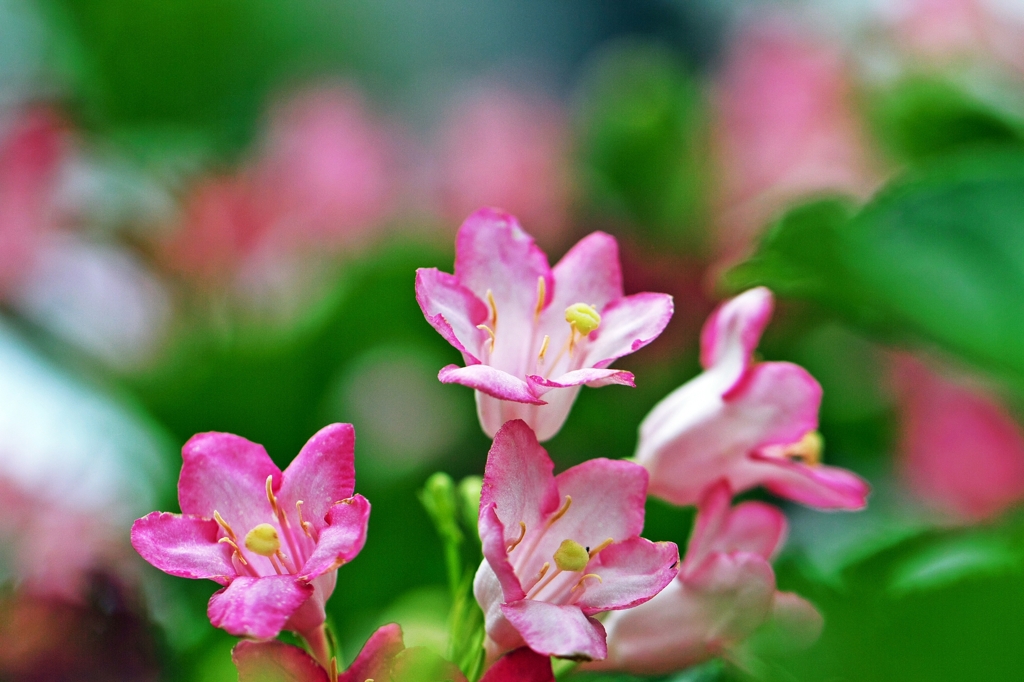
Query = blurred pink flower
x=558 y=550
x=296 y=529
x=327 y=167
x=960 y=450
x=504 y=148
x=31 y=151
x=786 y=128
x=724 y=592
x=940 y=30
x=532 y=335
x=749 y=423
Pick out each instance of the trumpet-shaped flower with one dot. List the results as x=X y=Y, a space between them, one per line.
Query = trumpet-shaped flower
x=725 y=591
x=273 y=539
x=559 y=549
x=531 y=335
x=384 y=658
x=751 y=423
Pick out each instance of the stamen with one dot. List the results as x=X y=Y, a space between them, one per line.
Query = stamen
x=522 y=534
x=494 y=308
x=807 y=450
x=271 y=498
x=561 y=511
x=542 y=294
x=237 y=552
x=224 y=524
x=333 y=672
x=284 y=562
x=542 y=573
x=594 y=552
x=543 y=348
x=489 y=331
x=305 y=525
x=541 y=584
x=580 y=583
x=583 y=318
x=278 y=568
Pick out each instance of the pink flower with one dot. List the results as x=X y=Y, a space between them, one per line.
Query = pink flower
x=558 y=550
x=384 y=658
x=724 y=592
x=750 y=423
x=273 y=540
x=787 y=127
x=961 y=452
x=531 y=335
x=503 y=148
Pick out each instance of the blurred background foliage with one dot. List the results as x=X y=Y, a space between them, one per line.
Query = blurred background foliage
x=167 y=267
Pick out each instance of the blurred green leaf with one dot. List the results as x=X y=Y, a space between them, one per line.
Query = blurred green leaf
x=951 y=560
x=937 y=256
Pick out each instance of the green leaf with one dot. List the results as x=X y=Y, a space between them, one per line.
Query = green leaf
x=937 y=256
x=951 y=560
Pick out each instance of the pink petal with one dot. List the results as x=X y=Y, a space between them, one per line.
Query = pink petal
x=732 y=332
x=608 y=497
x=494 y=544
x=257 y=607
x=545 y=419
x=491 y=381
x=693 y=438
x=341 y=539
x=493 y=253
x=275 y=662
x=489 y=595
x=553 y=630
x=374 y=659
x=631 y=573
x=820 y=486
x=323 y=473
x=452 y=310
x=519 y=480
x=588 y=273
x=521 y=665
x=591 y=377
x=184 y=546
x=749 y=527
x=627 y=325
x=226 y=473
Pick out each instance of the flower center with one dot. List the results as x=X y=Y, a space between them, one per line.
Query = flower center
x=582 y=318
x=263 y=540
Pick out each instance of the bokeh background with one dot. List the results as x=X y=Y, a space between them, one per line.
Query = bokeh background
x=211 y=212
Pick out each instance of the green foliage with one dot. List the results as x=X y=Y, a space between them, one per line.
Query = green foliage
x=949 y=560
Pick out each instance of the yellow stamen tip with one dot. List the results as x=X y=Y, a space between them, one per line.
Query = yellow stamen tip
x=263 y=540
x=807 y=449
x=583 y=318
x=571 y=556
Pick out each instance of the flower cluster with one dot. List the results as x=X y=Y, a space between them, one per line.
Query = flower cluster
x=565 y=572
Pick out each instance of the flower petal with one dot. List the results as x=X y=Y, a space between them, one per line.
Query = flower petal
x=731 y=334
x=493 y=253
x=374 y=659
x=823 y=487
x=257 y=607
x=275 y=662
x=631 y=573
x=519 y=480
x=693 y=437
x=494 y=544
x=226 y=473
x=341 y=539
x=608 y=497
x=748 y=527
x=589 y=376
x=588 y=273
x=521 y=665
x=323 y=473
x=452 y=310
x=490 y=596
x=553 y=630
x=627 y=325
x=491 y=381
x=185 y=546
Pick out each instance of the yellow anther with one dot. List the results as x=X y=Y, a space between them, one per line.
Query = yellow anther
x=263 y=540
x=494 y=308
x=522 y=534
x=270 y=496
x=583 y=318
x=571 y=556
x=561 y=510
x=224 y=524
x=305 y=525
x=597 y=550
x=579 y=584
x=489 y=331
x=543 y=348
x=807 y=450
x=543 y=572
x=542 y=294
